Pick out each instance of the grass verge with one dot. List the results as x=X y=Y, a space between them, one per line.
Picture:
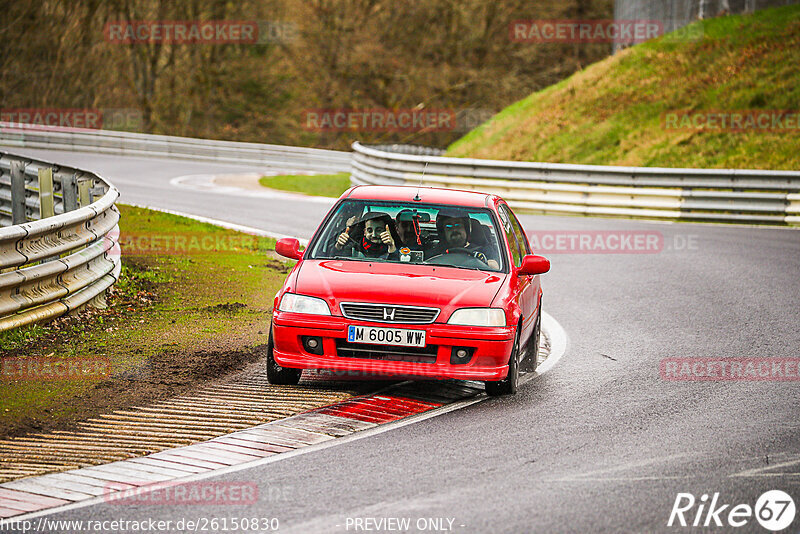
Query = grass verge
x=614 y=112
x=320 y=185
x=193 y=303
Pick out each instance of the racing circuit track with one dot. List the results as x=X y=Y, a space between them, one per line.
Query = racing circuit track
x=599 y=443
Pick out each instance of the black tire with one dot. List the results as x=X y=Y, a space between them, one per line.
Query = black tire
x=281 y=376
x=532 y=349
x=507 y=386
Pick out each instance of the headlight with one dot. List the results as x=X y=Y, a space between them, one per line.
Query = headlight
x=303 y=304
x=478 y=317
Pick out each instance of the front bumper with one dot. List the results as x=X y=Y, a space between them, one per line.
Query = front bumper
x=491 y=348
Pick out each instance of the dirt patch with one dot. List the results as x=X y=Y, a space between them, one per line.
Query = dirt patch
x=174 y=373
x=172 y=370
x=228 y=307
x=278 y=265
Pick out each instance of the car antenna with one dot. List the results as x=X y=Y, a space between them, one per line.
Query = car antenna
x=416 y=197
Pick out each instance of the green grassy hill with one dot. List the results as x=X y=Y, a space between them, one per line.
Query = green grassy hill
x=611 y=113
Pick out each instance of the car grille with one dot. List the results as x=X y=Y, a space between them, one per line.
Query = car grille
x=388 y=313
x=394 y=353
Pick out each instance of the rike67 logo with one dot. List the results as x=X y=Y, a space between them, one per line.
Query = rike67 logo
x=774 y=511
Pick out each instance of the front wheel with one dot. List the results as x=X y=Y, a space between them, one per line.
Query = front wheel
x=531 y=357
x=281 y=376
x=507 y=386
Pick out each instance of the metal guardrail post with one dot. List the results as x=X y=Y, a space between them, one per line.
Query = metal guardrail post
x=99 y=301
x=69 y=192
x=18 y=215
x=84 y=199
x=46 y=200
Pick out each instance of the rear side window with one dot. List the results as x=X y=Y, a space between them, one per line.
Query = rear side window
x=506 y=218
x=524 y=248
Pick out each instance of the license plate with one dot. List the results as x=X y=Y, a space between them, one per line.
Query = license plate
x=385 y=336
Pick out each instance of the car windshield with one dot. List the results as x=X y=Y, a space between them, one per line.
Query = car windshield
x=398 y=232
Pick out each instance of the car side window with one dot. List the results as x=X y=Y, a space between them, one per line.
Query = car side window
x=513 y=242
x=524 y=248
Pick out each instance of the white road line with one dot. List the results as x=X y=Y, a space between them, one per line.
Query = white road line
x=762 y=471
x=593 y=475
x=207 y=184
x=222 y=224
x=257 y=463
x=558 y=342
x=620 y=479
x=558 y=346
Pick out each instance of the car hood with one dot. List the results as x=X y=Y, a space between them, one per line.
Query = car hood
x=437 y=286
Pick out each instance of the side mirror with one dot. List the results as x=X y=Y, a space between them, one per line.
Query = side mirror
x=532 y=264
x=289 y=247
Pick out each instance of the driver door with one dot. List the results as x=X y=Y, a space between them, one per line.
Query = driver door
x=526 y=290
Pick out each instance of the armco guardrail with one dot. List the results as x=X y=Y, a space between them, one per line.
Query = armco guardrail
x=136 y=144
x=58 y=246
x=722 y=195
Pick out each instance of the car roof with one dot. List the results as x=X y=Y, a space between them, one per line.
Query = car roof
x=427 y=195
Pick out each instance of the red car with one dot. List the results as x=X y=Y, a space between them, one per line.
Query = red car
x=413 y=282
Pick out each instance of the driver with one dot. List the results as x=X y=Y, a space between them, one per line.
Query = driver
x=370 y=237
x=454 y=228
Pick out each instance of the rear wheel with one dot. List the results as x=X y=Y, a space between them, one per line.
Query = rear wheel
x=282 y=376
x=507 y=386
